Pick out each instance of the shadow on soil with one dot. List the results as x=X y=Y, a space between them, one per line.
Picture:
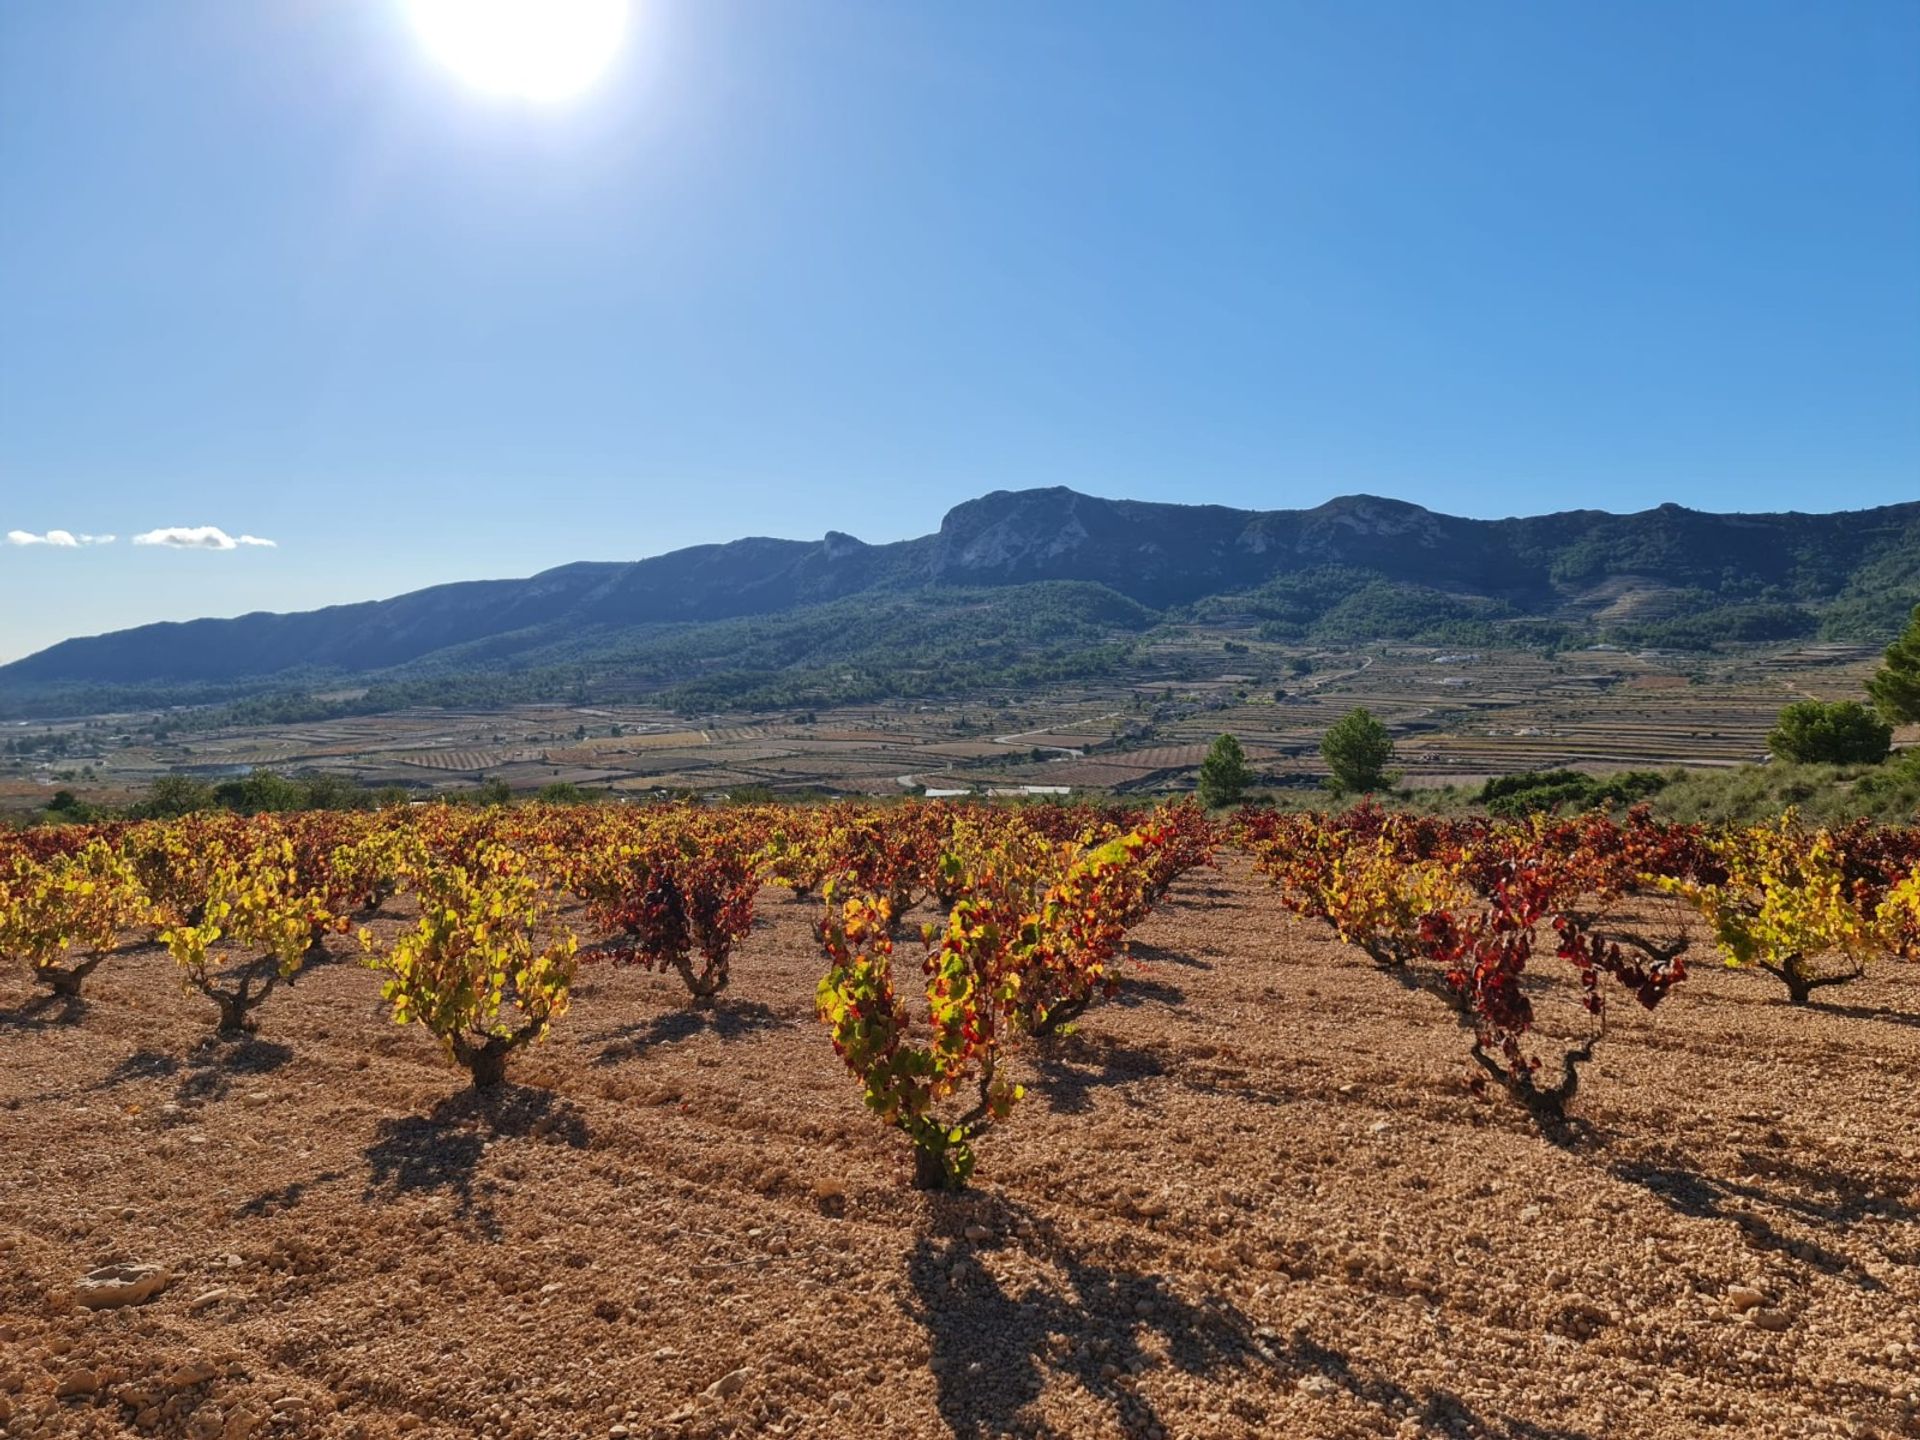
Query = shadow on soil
x=729 y=1021
x=141 y=1065
x=1867 y=1012
x=442 y=1150
x=996 y=1351
x=217 y=1064
x=1137 y=989
x=1160 y=955
x=43 y=1011
x=1071 y=1068
x=1704 y=1197
x=285 y=1197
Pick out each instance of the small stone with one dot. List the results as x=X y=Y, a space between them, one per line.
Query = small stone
x=77 y=1382
x=840 y=1400
x=1379 y=1127
x=194 y=1372
x=1767 y=1319
x=112 y=1286
x=1143 y=1308
x=1745 y=1297
x=1349 y=1089
x=1529 y=1212
x=729 y=1384
x=978 y=1233
x=206 y=1298
x=1153 y=1207
x=618 y=1432
x=831 y=1197
x=680 y=1416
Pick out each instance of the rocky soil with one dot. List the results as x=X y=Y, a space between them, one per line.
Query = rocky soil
x=1250 y=1198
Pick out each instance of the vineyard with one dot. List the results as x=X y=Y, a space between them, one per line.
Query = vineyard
x=1611 y=1120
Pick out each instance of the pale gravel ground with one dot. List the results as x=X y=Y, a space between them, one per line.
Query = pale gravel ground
x=1251 y=1199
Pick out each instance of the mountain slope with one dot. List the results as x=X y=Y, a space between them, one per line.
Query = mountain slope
x=1353 y=563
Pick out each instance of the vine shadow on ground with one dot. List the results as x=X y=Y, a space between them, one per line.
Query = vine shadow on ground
x=442 y=1150
x=1866 y=1012
x=1701 y=1197
x=1136 y=989
x=1069 y=1068
x=213 y=1067
x=995 y=1352
x=283 y=1197
x=32 y=1014
x=141 y=1065
x=728 y=1021
x=1161 y=955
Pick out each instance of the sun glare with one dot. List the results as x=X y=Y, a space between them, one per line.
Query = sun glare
x=542 y=50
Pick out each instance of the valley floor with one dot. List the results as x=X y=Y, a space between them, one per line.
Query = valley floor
x=1249 y=1199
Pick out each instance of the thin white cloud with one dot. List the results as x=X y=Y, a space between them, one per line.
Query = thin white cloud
x=57 y=539
x=197 y=537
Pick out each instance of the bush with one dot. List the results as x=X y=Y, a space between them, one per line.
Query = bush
x=1531 y=791
x=1844 y=732
x=172 y=796
x=1824 y=794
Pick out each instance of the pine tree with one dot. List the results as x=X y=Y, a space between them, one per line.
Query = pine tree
x=1896 y=688
x=1224 y=774
x=1357 y=749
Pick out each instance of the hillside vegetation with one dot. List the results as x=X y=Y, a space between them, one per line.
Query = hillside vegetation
x=1018 y=588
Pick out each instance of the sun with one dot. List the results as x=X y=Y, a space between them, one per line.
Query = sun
x=541 y=50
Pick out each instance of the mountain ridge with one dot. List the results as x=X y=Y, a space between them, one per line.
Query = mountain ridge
x=1849 y=572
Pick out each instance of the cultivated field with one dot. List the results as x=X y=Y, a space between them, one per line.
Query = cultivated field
x=1248 y=1199
x=1456 y=716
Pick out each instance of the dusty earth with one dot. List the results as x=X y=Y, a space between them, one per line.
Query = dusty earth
x=1250 y=1198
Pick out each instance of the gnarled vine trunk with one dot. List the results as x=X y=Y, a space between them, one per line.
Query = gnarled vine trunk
x=703 y=987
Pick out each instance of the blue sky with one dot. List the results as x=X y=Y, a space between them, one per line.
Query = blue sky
x=265 y=266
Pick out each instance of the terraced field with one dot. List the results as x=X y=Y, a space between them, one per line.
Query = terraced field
x=1455 y=716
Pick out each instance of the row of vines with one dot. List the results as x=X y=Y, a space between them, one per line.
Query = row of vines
x=1025 y=914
